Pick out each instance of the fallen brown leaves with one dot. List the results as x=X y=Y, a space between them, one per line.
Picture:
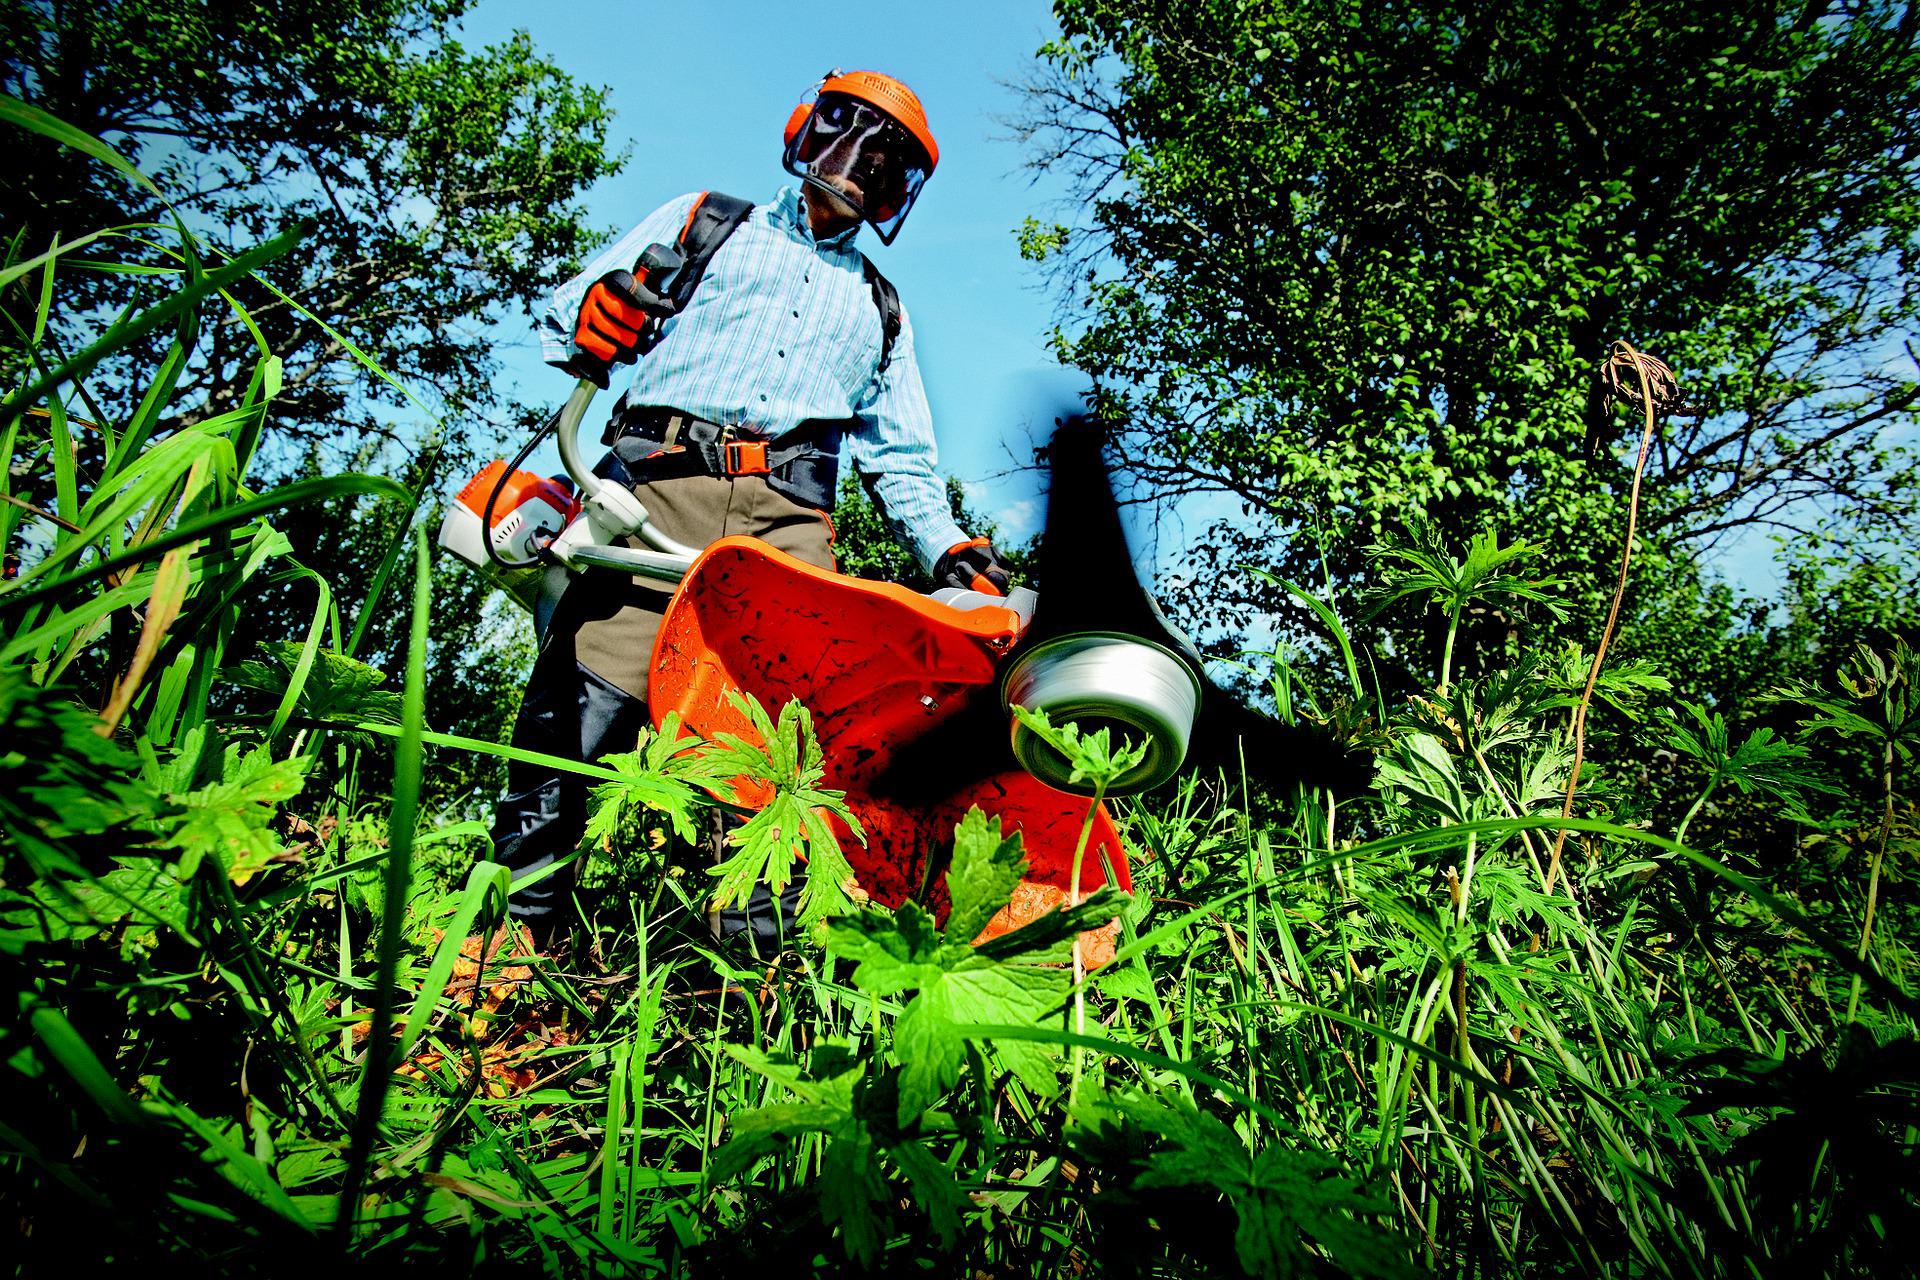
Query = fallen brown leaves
x=1033 y=899
x=489 y=972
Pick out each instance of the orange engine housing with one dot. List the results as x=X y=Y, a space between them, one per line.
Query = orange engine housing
x=879 y=667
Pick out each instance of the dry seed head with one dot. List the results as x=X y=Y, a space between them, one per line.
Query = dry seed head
x=1620 y=383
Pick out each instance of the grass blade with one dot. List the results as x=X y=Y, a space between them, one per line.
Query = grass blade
x=168 y=312
x=403 y=816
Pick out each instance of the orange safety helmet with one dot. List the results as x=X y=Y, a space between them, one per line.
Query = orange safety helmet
x=864 y=137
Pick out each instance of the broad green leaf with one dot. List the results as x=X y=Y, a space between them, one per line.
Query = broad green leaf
x=230 y=820
x=338 y=691
x=987 y=865
x=1422 y=769
x=974 y=988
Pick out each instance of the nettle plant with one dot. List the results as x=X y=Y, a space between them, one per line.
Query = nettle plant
x=894 y=1110
x=677 y=775
x=979 y=1090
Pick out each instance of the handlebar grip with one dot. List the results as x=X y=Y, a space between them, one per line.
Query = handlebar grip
x=659 y=262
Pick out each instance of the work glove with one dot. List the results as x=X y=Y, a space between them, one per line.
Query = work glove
x=971 y=566
x=615 y=311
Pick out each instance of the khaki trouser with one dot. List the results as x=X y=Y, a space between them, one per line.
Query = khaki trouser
x=617 y=621
x=587 y=695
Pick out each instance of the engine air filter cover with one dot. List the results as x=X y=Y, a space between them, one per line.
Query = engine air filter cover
x=1101 y=679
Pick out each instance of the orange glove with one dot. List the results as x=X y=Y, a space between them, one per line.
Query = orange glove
x=972 y=566
x=616 y=311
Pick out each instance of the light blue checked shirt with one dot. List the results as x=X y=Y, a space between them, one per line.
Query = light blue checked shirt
x=783 y=329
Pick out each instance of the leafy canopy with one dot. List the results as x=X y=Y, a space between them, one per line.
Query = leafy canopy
x=439 y=187
x=1351 y=266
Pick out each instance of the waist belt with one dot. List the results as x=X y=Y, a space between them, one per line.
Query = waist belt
x=651 y=443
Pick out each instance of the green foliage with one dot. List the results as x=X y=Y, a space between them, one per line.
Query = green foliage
x=866 y=547
x=433 y=187
x=1421 y=567
x=1760 y=764
x=853 y=1185
x=1038 y=241
x=872 y=1111
x=1354 y=1037
x=229 y=820
x=330 y=689
x=1014 y=981
x=62 y=784
x=797 y=820
x=1881 y=706
x=1096 y=761
x=1354 y=269
x=660 y=777
x=1282 y=1199
x=987 y=865
x=1851 y=1114
x=439 y=185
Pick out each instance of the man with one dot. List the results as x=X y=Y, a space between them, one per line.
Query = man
x=732 y=424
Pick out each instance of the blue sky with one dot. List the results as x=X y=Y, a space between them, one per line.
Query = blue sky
x=701 y=93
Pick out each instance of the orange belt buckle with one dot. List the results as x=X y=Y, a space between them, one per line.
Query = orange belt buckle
x=746 y=457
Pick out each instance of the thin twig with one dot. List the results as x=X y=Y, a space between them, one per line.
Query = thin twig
x=1622 y=352
x=44 y=515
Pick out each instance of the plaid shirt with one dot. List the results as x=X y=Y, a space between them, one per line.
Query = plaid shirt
x=783 y=329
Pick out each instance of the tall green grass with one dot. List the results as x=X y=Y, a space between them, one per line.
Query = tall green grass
x=1351 y=1038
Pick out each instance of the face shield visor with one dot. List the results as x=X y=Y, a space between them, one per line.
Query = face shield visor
x=862 y=157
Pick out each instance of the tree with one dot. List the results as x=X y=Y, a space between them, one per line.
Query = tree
x=439 y=188
x=865 y=547
x=1350 y=264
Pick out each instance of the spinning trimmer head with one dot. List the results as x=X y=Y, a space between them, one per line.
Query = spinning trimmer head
x=1098 y=651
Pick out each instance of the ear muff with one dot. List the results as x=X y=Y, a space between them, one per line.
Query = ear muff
x=797 y=121
x=797 y=118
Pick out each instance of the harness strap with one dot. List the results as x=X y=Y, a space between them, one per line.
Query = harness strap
x=715 y=216
x=664 y=444
x=887 y=299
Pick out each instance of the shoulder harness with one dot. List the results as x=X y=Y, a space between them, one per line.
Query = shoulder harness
x=805 y=464
x=714 y=217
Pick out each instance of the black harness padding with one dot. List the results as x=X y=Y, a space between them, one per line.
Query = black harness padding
x=715 y=217
x=803 y=464
x=887 y=299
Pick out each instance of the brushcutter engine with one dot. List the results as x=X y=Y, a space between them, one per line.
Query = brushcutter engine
x=502 y=522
